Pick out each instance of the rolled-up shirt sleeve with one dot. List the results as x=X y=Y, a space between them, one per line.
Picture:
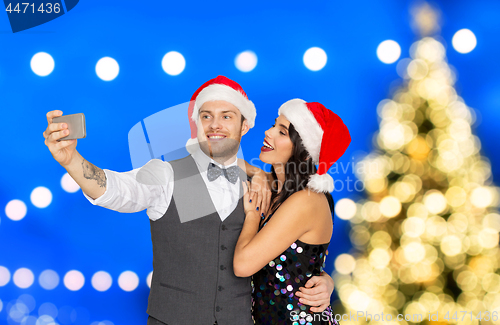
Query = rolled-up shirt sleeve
x=148 y=187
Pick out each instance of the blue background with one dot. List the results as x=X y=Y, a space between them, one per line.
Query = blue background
x=71 y=233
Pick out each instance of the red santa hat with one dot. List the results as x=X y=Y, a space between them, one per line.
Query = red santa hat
x=219 y=88
x=323 y=134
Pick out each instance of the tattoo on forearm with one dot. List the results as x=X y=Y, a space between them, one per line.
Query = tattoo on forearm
x=93 y=172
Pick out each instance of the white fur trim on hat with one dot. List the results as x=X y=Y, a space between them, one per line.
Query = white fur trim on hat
x=321 y=183
x=311 y=133
x=227 y=94
x=192 y=145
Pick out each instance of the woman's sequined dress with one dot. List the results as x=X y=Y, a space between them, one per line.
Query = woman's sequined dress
x=274 y=300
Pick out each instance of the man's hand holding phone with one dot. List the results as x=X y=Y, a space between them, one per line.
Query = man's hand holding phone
x=62 y=150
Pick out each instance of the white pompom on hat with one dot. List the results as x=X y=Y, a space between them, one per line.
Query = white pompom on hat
x=323 y=134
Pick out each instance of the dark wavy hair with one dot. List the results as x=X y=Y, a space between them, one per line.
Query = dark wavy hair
x=298 y=169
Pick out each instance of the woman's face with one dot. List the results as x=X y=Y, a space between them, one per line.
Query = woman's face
x=278 y=147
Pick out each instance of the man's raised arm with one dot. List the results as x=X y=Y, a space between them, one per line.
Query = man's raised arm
x=92 y=179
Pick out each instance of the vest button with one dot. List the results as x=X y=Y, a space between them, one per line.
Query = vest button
x=224 y=227
x=222 y=267
x=223 y=247
x=218 y=308
x=221 y=288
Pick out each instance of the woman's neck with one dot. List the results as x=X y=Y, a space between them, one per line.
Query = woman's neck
x=279 y=170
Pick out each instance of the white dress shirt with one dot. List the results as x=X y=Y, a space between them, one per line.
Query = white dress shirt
x=125 y=194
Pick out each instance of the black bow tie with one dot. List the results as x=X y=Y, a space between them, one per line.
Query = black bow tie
x=231 y=173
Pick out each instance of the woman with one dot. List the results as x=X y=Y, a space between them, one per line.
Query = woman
x=285 y=248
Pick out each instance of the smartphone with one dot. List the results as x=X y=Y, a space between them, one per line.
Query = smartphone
x=76 y=125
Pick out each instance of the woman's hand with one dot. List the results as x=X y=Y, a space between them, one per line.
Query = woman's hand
x=260 y=192
x=243 y=258
x=249 y=204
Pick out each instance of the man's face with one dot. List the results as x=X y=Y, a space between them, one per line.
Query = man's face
x=220 y=129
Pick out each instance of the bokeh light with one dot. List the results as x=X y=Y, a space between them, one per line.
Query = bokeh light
x=315 y=58
x=42 y=64
x=74 y=280
x=48 y=279
x=16 y=210
x=101 y=281
x=18 y=311
x=104 y=322
x=481 y=197
x=464 y=41
x=4 y=276
x=128 y=281
x=49 y=309
x=345 y=209
x=149 y=278
x=28 y=300
x=107 y=68
x=246 y=61
x=30 y=320
x=68 y=184
x=23 y=278
x=45 y=320
x=41 y=197
x=173 y=63
x=435 y=202
x=388 y=51
x=390 y=206
x=345 y=263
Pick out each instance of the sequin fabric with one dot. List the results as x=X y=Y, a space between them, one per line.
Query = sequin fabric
x=274 y=287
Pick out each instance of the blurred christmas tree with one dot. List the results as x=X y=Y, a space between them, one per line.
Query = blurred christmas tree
x=426 y=240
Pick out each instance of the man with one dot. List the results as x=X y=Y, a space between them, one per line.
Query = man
x=195 y=210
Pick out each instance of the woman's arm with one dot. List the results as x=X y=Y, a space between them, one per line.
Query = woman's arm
x=256 y=248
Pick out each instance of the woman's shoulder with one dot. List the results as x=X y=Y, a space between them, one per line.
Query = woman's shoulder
x=308 y=198
x=311 y=210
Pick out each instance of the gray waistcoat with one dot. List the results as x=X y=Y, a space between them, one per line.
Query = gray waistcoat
x=193 y=280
